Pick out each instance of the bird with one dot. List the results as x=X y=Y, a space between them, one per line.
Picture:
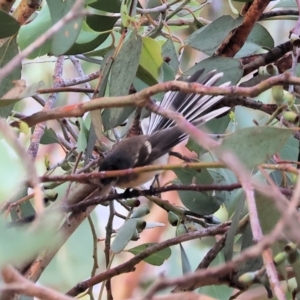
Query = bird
x=161 y=135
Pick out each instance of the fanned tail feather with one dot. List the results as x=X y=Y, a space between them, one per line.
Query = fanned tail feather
x=193 y=107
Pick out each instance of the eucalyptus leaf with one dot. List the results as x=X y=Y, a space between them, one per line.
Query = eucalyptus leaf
x=19 y=91
x=185 y=264
x=152 y=4
x=28 y=33
x=214 y=126
x=82 y=137
x=251 y=264
x=7 y=52
x=286 y=3
x=199 y=202
x=24 y=209
x=112 y=6
x=259 y=37
x=13 y=165
x=122 y=75
x=9 y=25
x=231 y=67
x=88 y=39
x=156 y=259
x=151 y=58
x=169 y=52
x=101 y=23
x=253 y=145
x=124 y=235
x=49 y=137
x=208 y=38
x=145 y=76
x=67 y=35
x=95 y=132
x=268 y=216
x=18 y=246
x=229 y=243
x=23 y=297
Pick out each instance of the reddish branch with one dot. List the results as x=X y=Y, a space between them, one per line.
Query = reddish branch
x=129 y=265
x=239 y=36
x=142 y=98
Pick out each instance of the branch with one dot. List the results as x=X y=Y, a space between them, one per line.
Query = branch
x=88 y=178
x=40 y=128
x=75 y=12
x=32 y=176
x=254 y=62
x=129 y=265
x=18 y=284
x=142 y=98
x=239 y=36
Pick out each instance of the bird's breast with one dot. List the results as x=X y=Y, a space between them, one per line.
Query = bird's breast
x=138 y=179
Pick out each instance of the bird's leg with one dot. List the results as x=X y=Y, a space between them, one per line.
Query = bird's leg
x=154 y=184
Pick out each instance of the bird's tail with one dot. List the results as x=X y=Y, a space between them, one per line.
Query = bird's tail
x=195 y=108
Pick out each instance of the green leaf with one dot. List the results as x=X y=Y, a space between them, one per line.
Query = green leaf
x=145 y=76
x=169 y=51
x=7 y=52
x=286 y=3
x=96 y=116
x=24 y=209
x=140 y=211
x=232 y=68
x=9 y=26
x=254 y=145
x=49 y=137
x=30 y=32
x=147 y=79
x=124 y=235
x=67 y=35
x=268 y=214
x=229 y=243
x=122 y=75
x=193 y=6
x=23 y=297
x=95 y=131
x=230 y=199
x=18 y=246
x=208 y=38
x=78 y=245
x=89 y=39
x=20 y=91
x=83 y=136
x=290 y=149
x=215 y=126
x=259 y=37
x=251 y=264
x=199 y=202
x=152 y=4
x=101 y=23
x=151 y=58
x=156 y=259
x=185 y=264
x=13 y=165
x=112 y=6
x=103 y=49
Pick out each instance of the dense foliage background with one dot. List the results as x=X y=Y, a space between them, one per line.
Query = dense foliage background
x=75 y=77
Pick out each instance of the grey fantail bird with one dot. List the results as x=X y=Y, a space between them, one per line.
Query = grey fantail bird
x=153 y=146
